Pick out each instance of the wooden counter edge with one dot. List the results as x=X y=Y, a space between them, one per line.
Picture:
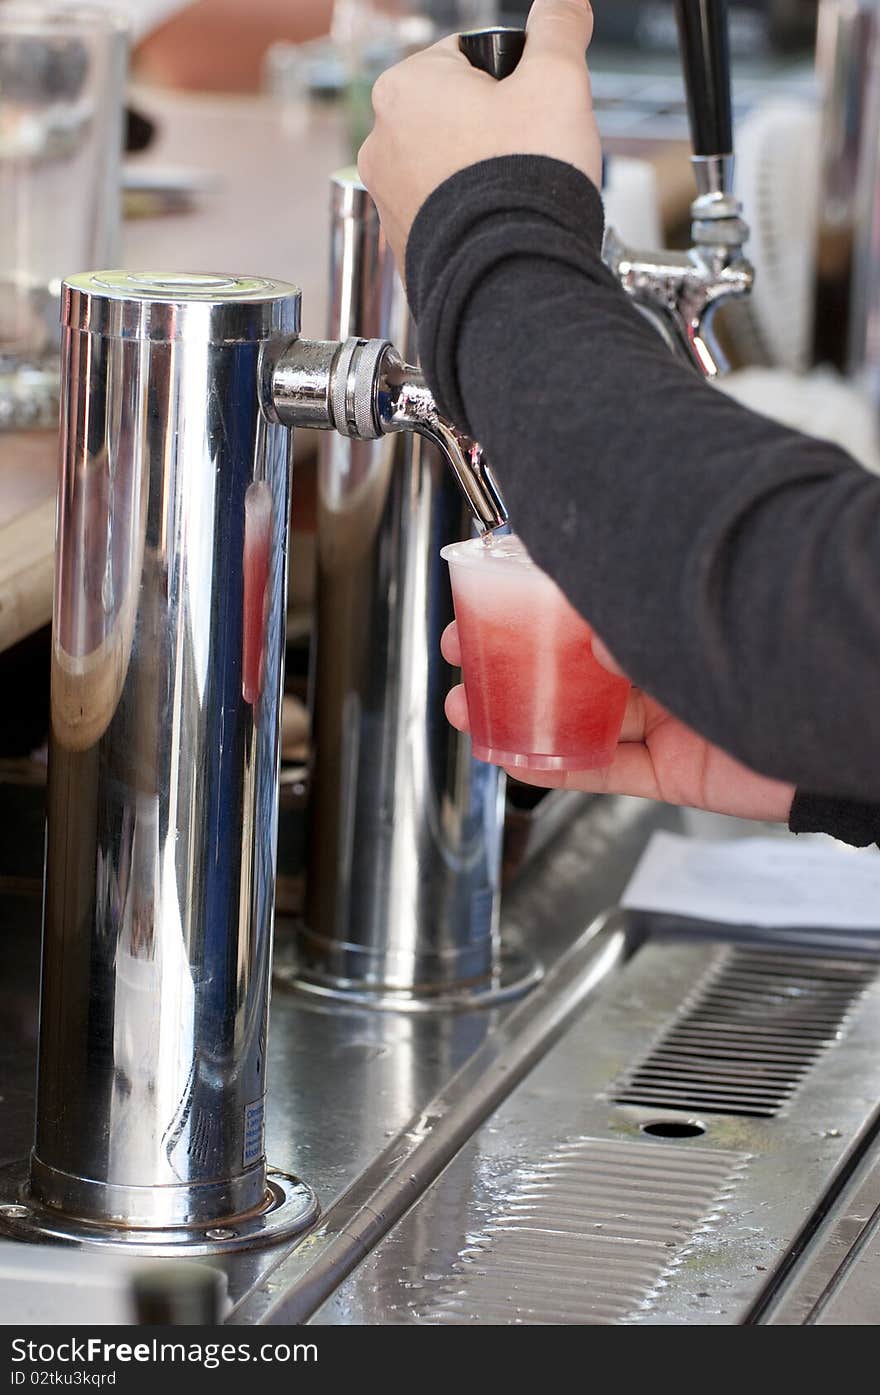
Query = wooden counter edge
x=27 y=565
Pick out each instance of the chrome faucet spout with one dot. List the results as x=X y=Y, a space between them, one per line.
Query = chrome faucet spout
x=363 y=389
x=406 y=403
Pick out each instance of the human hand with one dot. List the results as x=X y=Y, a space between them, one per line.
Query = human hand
x=435 y=115
x=658 y=758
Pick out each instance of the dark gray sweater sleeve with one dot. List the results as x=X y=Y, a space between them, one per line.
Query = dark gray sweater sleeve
x=732 y=566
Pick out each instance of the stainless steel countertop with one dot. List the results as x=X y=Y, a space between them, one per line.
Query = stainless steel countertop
x=423 y=1134
x=540 y=1216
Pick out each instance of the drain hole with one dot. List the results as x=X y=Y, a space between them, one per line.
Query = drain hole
x=674 y=1128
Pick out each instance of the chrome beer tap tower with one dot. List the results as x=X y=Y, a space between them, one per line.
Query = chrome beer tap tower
x=167 y=678
x=179 y=397
x=403 y=888
x=404 y=875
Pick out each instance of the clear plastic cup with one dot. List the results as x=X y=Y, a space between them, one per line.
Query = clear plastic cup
x=537 y=699
x=62 y=75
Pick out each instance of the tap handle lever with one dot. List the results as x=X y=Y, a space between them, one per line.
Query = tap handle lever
x=705 y=56
x=494 y=51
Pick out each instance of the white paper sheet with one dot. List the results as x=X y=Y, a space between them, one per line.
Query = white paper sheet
x=772 y=882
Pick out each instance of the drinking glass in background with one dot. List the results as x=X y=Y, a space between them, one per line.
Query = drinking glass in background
x=62 y=78
x=289 y=71
x=366 y=37
x=370 y=36
x=537 y=699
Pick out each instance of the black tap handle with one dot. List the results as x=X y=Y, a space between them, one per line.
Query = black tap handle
x=705 y=56
x=493 y=51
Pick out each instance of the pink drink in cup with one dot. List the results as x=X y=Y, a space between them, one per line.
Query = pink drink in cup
x=537 y=699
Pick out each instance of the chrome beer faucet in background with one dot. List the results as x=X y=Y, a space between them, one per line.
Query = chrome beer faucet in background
x=680 y=292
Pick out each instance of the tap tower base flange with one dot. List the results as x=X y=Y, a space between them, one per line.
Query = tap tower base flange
x=290 y=1208
x=517 y=973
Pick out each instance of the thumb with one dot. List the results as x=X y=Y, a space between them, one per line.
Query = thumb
x=559 y=29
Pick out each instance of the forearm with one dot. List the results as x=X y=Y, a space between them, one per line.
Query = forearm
x=730 y=565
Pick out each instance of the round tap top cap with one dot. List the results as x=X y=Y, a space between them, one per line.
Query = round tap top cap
x=165 y=306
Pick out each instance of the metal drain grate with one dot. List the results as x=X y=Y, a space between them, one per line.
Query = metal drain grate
x=745 y=1040
x=591 y=1236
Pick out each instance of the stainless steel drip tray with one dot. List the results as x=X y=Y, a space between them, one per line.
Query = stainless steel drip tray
x=665 y=1162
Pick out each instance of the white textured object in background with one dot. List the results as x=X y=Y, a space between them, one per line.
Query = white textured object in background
x=53 y=1285
x=777 y=181
x=631 y=205
x=820 y=404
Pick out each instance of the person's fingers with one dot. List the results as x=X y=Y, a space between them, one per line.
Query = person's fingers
x=603 y=656
x=558 y=29
x=634 y=718
x=399 y=79
x=631 y=772
x=457 y=708
x=450 y=647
